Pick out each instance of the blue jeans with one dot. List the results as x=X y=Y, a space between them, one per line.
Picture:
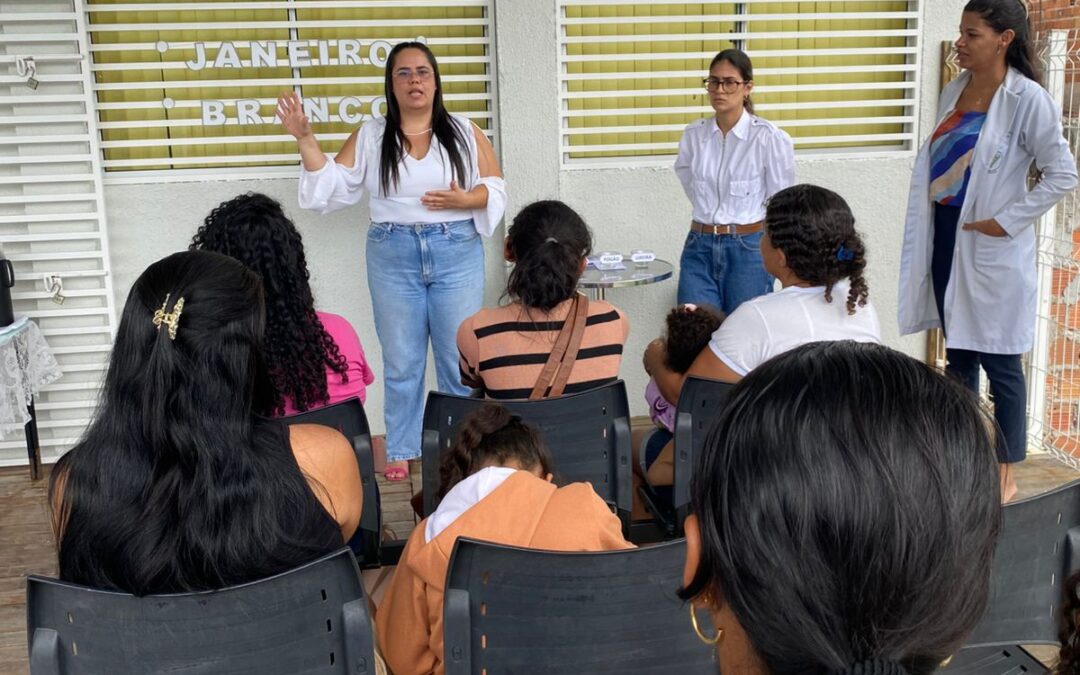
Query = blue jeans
x=722 y=270
x=1005 y=371
x=425 y=279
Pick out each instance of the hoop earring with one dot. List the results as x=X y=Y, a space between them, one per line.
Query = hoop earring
x=701 y=636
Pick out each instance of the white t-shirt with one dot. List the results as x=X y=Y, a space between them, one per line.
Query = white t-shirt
x=775 y=323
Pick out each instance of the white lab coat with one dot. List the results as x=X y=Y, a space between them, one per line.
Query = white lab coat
x=990 y=299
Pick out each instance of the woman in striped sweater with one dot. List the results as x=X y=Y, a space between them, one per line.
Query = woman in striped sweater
x=503 y=349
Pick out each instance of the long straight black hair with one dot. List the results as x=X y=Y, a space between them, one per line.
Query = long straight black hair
x=849 y=507
x=394 y=141
x=176 y=485
x=1003 y=15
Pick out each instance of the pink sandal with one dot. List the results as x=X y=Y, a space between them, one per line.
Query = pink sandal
x=395 y=474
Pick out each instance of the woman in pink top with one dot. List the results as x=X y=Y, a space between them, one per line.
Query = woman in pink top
x=313 y=359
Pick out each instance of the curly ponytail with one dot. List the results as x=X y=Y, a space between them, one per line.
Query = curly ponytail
x=547 y=242
x=492 y=436
x=815 y=229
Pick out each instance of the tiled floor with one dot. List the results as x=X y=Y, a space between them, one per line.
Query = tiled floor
x=26 y=544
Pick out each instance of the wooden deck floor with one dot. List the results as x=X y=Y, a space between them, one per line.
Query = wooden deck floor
x=26 y=542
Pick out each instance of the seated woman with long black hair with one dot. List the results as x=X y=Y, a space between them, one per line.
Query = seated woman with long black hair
x=177 y=485
x=846 y=511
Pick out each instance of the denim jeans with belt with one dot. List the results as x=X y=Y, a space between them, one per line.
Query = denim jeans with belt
x=1005 y=371
x=722 y=270
x=425 y=279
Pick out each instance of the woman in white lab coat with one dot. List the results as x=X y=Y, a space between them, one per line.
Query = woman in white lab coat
x=968 y=262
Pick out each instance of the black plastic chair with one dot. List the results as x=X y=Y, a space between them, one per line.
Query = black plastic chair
x=588 y=434
x=516 y=610
x=312 y=619
x=348 y=417
x=700 y=403
x=1038 y=549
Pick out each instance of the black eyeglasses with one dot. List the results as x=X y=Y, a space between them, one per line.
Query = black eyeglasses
x=728 y=85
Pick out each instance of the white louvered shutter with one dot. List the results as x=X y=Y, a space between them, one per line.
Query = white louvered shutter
x=840 y=76
x=52 y=215
x=151 y=103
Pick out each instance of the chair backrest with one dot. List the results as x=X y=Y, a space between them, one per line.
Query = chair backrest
x=348 y=417
x=588 y=434
x=700 y=403
x=518 y=610
x=312 y=619
x=1038 y=549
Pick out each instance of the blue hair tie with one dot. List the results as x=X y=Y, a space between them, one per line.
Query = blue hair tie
x=844 y=254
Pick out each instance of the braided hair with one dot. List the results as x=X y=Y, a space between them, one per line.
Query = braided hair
x=815 y=229
x=492 y=436
x=297 y=349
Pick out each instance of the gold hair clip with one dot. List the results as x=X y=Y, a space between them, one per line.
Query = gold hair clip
x=169 y=319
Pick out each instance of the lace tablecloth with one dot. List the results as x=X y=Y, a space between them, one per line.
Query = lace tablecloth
x=27 y=365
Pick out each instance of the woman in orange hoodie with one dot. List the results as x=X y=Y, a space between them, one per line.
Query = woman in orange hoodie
x=496 y=486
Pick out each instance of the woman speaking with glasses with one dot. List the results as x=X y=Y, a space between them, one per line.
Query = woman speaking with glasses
x=435 y=187
x=729 y=165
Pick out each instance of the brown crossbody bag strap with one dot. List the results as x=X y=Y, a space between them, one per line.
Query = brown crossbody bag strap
x=556 y=371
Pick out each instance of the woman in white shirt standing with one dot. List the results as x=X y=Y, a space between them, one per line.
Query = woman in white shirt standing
x=435 y=188
x=729 y=165
x=812 y=247
x=968 y=261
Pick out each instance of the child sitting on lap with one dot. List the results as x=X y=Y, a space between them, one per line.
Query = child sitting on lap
x=689 y=329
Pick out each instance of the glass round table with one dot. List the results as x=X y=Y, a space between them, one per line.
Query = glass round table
x=599 y=280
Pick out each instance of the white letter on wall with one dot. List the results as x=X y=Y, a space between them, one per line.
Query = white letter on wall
x=227 y=57
x=347 y=115
x=247 y=111
x=299 y=56
x=199 y=62
x=377 y=105
x=213 y=113
x=263 y=54
x=379 y=60
x=348 y=53
x=317 y=109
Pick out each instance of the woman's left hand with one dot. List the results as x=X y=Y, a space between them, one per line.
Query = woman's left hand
x=454 y=198
x=988 y=227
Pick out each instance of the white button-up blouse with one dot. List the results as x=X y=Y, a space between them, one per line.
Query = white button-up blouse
x=728 y=179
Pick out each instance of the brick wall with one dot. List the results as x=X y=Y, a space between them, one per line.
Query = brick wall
x=1047 y=14
x=1063 y=378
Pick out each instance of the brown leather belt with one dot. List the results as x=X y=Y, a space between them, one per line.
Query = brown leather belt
x=749 y=228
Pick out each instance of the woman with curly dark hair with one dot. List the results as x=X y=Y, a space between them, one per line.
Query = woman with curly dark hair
x=812 y=248
x=313 y=358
